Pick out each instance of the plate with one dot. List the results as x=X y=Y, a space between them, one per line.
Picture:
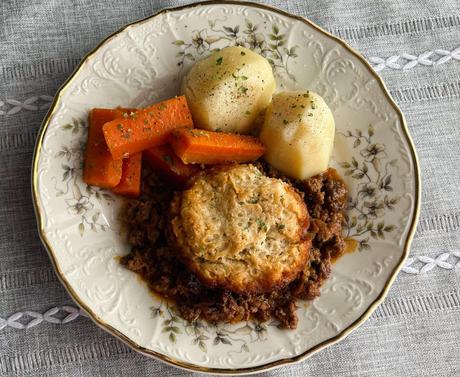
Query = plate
x=143 y=63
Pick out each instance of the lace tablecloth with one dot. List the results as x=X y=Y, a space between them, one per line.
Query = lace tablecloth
x=416 y=49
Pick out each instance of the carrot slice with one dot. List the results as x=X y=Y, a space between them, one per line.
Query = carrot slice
x=146 y=128
x=207 y=147
x=164 y=161
x=130 y=183
x=100 y=169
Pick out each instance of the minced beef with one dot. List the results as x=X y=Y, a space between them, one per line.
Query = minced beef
x=156 y=261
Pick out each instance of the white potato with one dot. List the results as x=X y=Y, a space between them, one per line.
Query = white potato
x=298 y=132
x=229 y=89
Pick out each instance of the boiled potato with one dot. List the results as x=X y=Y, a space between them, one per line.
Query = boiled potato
x=298 y=132
x=229 y=89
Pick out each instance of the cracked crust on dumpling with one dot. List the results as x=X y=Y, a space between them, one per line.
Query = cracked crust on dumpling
x=240 y=230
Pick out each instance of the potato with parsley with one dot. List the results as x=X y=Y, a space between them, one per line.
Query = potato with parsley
x=298 y=133
x=228 y=90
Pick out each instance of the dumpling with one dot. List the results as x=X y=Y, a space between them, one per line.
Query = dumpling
x=228 y=90
x=298 y=132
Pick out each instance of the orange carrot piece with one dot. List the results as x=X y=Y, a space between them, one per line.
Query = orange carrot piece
x=100 y=169
x=130 y=183
x=146 y=128
x=164 y=161
x=207 y=147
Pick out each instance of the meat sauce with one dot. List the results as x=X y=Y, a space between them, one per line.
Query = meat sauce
x=157 y=263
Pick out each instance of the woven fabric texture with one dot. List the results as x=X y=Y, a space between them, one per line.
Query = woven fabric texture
x=414 y=47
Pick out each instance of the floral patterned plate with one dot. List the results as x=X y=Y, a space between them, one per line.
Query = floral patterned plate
x=144 y=63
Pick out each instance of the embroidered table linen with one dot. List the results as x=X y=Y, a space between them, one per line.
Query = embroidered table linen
x=415 y=48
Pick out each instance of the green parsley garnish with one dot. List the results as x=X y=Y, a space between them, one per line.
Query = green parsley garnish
x=219 y=60
x=242 y=53
x=280 y=226
x=239 y=77
x=120 y=127
x=167 y=158
x=247 y=112
x=261 y=225
x=162 y=106
x=305 y=95
x=254 y=199
x=310 y=114
x=243 y=89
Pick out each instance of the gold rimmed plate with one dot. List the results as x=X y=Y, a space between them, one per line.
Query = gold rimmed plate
x=143 y=63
